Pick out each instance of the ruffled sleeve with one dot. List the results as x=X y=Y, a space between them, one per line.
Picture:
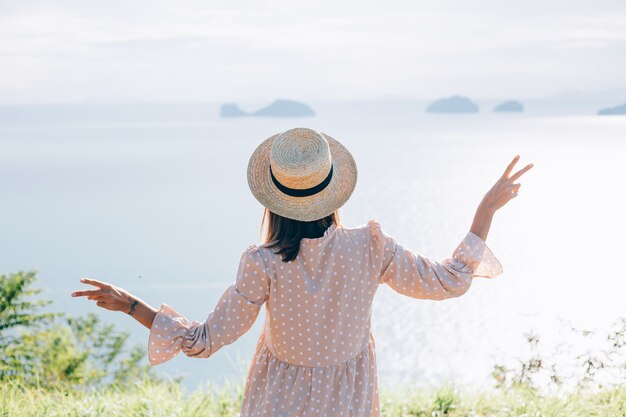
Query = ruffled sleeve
x=234 y=314
x=414 y=275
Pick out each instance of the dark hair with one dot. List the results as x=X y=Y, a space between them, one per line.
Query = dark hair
x=285 y=234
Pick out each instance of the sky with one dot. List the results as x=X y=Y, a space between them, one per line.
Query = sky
x=183 y=51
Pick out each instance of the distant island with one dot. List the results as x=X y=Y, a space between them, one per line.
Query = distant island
x=232 y=110
x=509 y=106
x=279 y=108
x=621 y=109
x=453 y=104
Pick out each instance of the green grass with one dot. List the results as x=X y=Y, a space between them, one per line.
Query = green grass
x=169 y=399
x=518 y=402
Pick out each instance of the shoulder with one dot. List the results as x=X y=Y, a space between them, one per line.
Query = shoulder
x=371 y=228
x=252 y=252
x=368 y=225
x=260 y=254
x=255 y=258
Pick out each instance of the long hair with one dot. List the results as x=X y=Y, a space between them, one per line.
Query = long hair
x=285 y=234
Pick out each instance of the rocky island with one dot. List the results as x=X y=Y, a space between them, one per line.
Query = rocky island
x=232 y=110
x=621 y=109
x=509 y=106
x=453 y=104
x=279 y=108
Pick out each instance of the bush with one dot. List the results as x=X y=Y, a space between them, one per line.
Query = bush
x=54 y=349
x=593 y=368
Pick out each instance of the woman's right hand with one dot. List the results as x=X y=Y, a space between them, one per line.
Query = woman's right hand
x=505 y=188
x=501 y=193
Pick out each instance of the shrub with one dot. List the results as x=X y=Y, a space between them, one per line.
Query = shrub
x=54 y=349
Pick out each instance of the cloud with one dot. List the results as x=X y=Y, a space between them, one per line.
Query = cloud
x=157 y=50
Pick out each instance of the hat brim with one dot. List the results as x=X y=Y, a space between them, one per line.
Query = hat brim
x=309 y=208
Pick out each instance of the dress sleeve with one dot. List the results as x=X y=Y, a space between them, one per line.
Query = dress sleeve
x=411 y=274
x=234 y=314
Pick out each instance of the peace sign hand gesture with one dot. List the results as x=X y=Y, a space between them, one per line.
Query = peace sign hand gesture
x=505 y=188
x=108 y=296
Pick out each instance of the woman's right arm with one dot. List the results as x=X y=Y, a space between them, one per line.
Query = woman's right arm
x=414 y=275
x=502 y=192
x=409 y=273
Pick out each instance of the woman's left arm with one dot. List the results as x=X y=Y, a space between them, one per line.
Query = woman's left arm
x=113 y=298
x=171 y=332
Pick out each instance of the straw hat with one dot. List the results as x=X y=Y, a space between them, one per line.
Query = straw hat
x=302 y=174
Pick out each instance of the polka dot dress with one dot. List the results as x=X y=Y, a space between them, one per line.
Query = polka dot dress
x=316 y=354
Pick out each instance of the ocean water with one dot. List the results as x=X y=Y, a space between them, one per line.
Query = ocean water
x=155 y=200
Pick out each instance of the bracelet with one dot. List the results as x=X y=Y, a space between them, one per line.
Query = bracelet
x=132 y=307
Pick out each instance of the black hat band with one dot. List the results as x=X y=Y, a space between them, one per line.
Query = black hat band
x=295 y=192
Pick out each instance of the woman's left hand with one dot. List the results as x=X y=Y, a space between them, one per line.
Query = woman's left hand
x=107 y=296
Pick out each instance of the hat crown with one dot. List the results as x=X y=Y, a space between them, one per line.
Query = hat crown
x=300 y=158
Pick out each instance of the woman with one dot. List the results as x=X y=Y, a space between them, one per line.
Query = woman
x=315 y=355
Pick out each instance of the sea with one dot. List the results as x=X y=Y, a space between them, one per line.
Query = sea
x=153 y=198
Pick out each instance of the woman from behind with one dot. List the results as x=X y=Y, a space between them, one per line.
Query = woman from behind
x=315 y=355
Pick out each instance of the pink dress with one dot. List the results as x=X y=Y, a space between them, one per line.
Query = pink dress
x=316 y=355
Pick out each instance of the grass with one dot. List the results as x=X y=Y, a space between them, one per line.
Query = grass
x=518 y=402
x=168 y=399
